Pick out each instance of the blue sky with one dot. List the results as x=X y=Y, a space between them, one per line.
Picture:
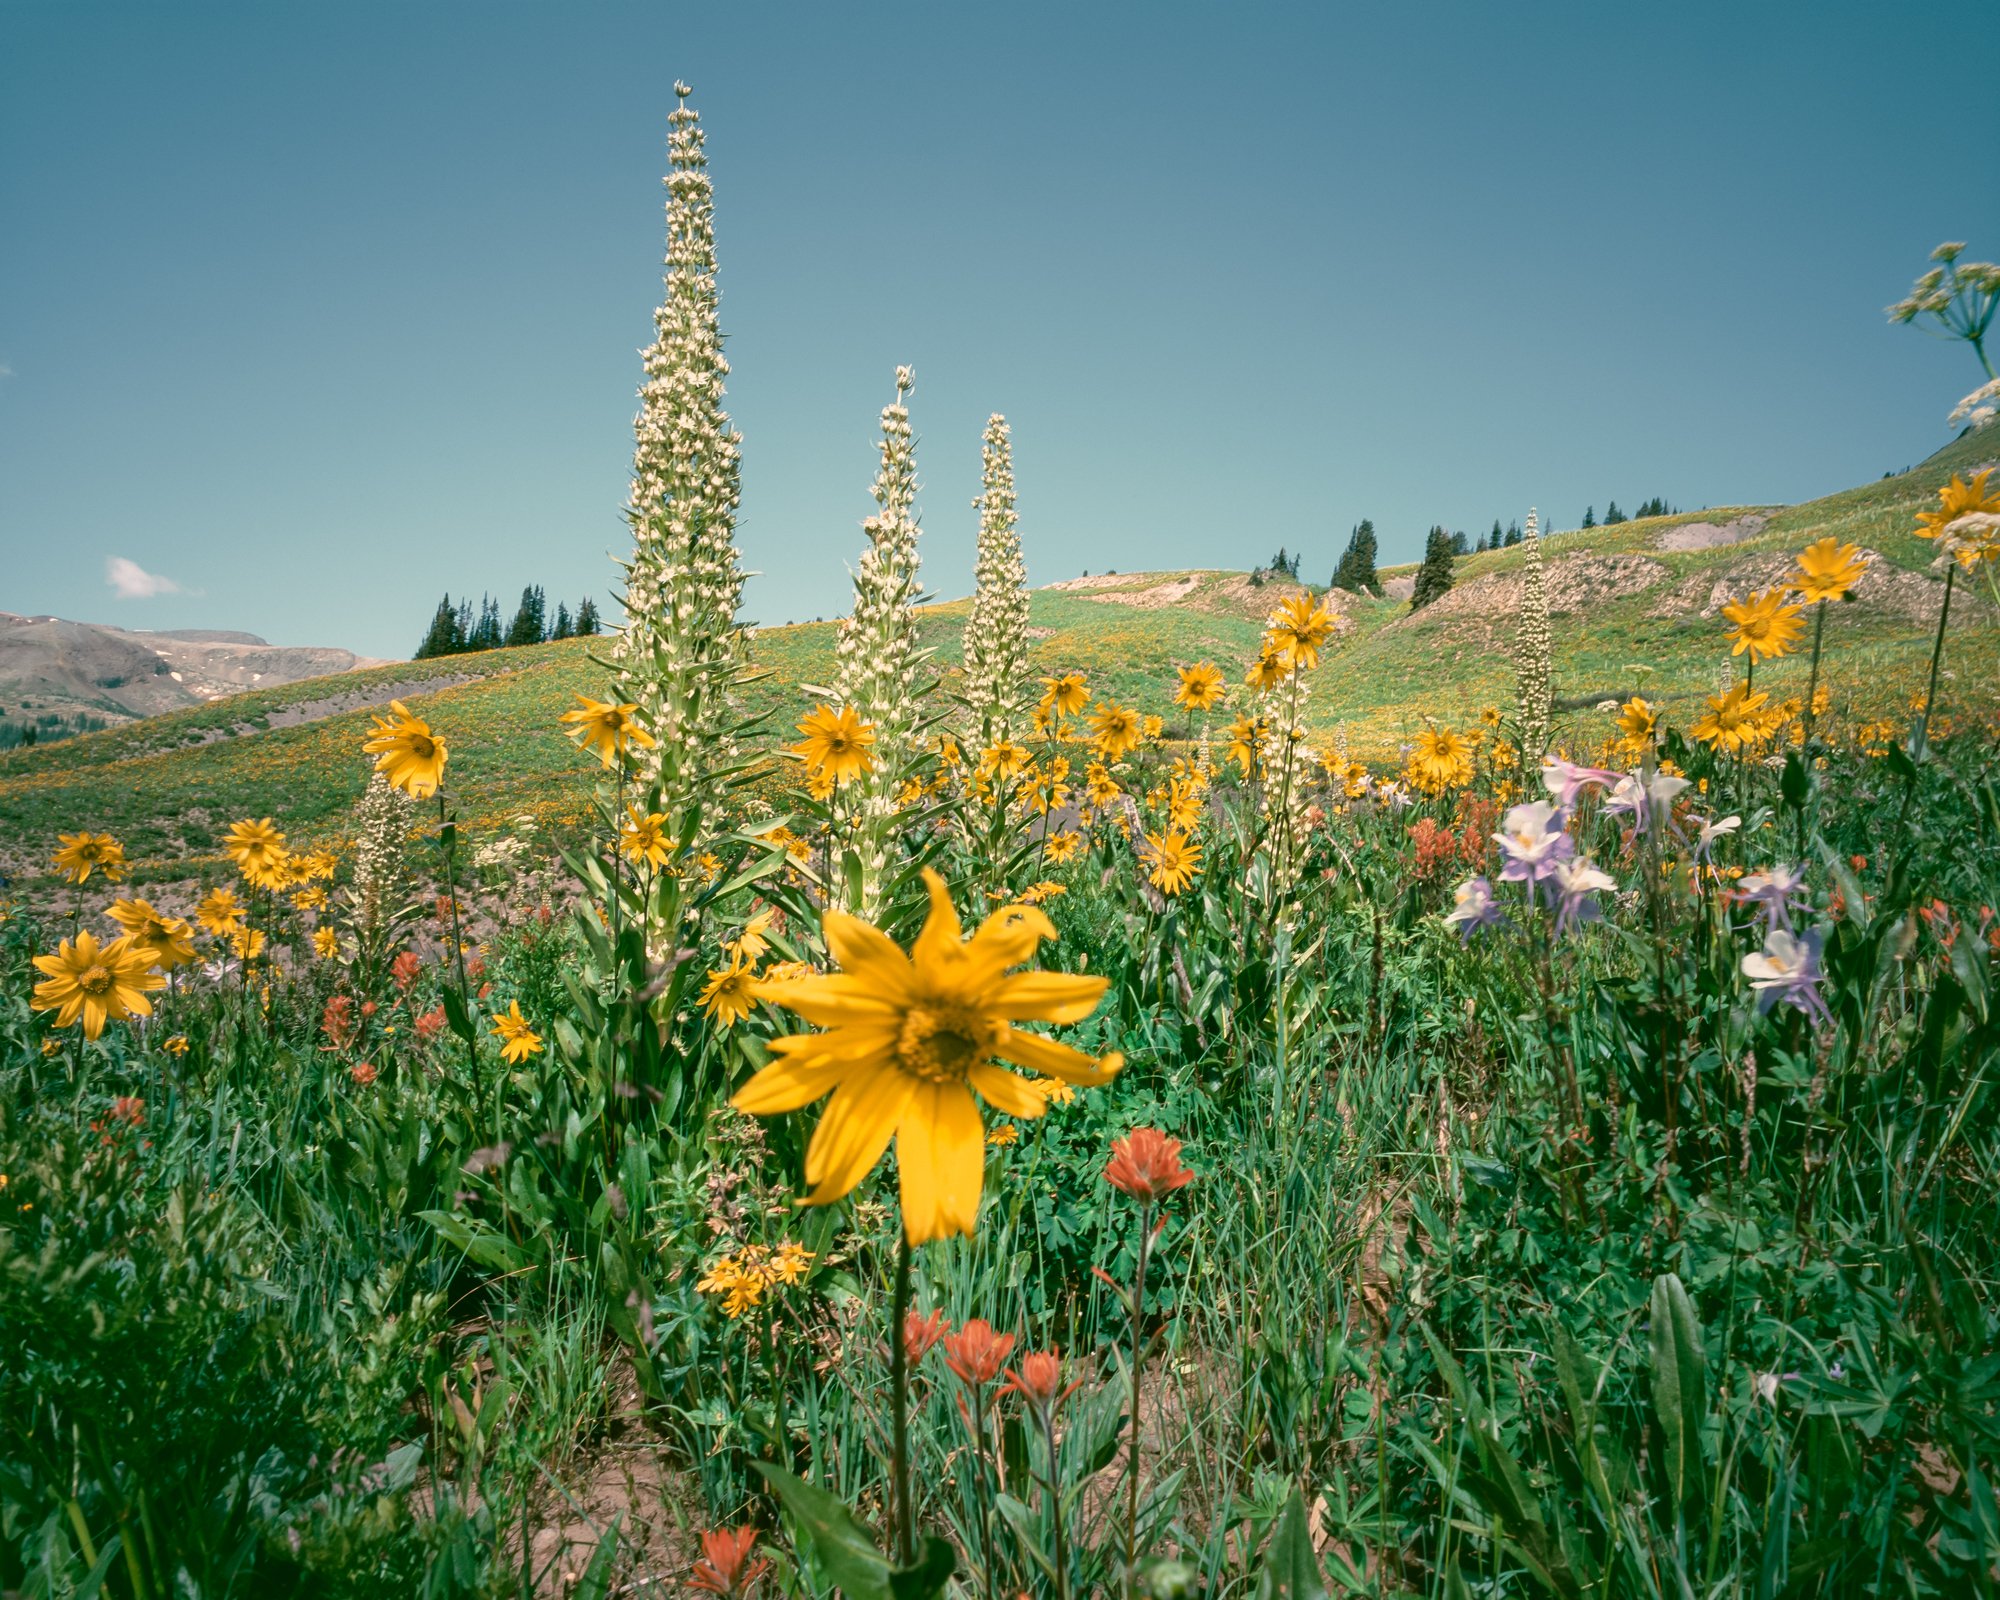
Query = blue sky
x=318 y=311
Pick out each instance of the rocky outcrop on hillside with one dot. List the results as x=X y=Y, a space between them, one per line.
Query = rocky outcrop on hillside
x=52 y=666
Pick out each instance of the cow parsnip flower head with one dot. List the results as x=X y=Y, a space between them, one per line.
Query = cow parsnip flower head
x=406 y=752
x=1201 y=687
x=81 y=854
x=607 y=729
x=1766 y=624
x=912 y=1043
x=1828 y=570
x=96 y=983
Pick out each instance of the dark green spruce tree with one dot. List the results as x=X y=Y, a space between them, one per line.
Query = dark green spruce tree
x=443 y=637
x=1356 y=571
x=561 y=628
x=1434 y=576
x=529 y=625
x=586 y=618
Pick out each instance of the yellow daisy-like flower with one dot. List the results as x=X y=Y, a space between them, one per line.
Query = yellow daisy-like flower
x=518 y=1041
x=1098 y=787
x=1828 y=570
x=326 y=943
x=1175 y=860
x=731 y=993
x=1117 y=730
x=1766 y=624
x=1959 y=498
x=1271 y=668
x=790 y=1263
x=1299 y=628
x=247 y=943
x=911 y=1041
x=1638 y=724
x=167 y=941
x=1003 y=1136
x=1047 y=889
x=1201 y=687
x=176 y=1046
x=1439 y=760
x=1003 y=761
x=1063 y=846
x=406 y=752
x=750 y=942
x=320 y=865
x=258 y=849
x=837 y=744
x=1735 y=720
x=313 y=899
x=643 y=839
x=81 y=854
x=220 y=913
x=1064 y=695
x=1246 y=733
x=1184 y=804
x=606 y=729
x=96 y=983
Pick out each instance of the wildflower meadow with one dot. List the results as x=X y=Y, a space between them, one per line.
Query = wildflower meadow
x=979 y=1132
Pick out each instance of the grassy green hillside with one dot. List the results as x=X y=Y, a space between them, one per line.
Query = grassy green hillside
x=1626 y=599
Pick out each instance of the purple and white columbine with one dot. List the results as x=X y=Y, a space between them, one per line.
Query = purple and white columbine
x=1787 y=969
x=1533 y=841
x=1565 y=780
x=1571 y=888
x=1774 y=892
x=1473 y=908
x=1646 y=799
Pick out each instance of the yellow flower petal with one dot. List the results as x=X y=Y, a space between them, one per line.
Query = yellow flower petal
x=1047 y=997
x=1007 y=1091
x=941 y=1151
x=1055 y=1060
x=854 y=1131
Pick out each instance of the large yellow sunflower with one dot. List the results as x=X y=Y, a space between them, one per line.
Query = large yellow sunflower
x=220 y=913
x=910 y=1041
x=406 y=752
x=644 y=840
x=1440 y=759
x=1201 y=687
x=1735 y=720
x=836 y=743
x=1298 y=629
x=1766 y=624
x=1117 y=729
x=258 y=849
x=98 y=983
x=84 y=853
x=1174 y=861
x=1064 y=695
x=606 y=728
x=1828 y=569
x=1957 y=499
x=168 y=942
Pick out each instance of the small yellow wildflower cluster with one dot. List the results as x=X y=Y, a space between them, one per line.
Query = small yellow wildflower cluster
x=743 y=1277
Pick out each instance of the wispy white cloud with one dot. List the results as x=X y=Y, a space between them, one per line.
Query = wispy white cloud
x=130 y=581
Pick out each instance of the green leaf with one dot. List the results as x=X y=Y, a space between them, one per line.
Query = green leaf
x=454 y=1013
x=839 y=1543
x=1290 y=1570
x=1680 y=1384
x=925 y=1578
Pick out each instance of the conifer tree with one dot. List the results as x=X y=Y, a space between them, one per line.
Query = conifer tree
x=587 y=622
x=681 y=649
x=1513 y=535
x=1612 y=515
x=528 y=626
x=875 y=651
x=1357 y=562
x=442 y=638
x=1533 y=649
x=1460 y=545
x=1498 y=537
x=996 y=634
x=1434 y=576
x=560 y=628
x=1589 y=516
x=486 y=634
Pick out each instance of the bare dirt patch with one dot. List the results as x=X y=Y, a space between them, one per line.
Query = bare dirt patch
x=1913 y=596
x=1711 y=535
x=1159 y=595
x=1575 y=583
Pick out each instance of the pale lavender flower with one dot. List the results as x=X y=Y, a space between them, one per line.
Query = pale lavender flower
x=1533 y=841
x=1774 y=892
x=1711 y=830
x=1473 y=908
x=1645 y=799
x=1565 y=780
x=1787 y=969
x=1571 y=886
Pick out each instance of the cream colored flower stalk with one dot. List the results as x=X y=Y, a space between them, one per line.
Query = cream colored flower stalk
x=996 y=636
x=1532 y=645
x=383 y=817
x=1284 y=760
x=875 y=652
x=681 y=649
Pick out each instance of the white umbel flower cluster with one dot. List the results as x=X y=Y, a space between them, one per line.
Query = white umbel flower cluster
x=1979 y=408
x=1533 y=647
x=681 y=647
x=875 y=653
x=996 y=635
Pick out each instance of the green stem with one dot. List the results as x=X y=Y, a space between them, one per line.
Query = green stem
x=1054 y=1490
x=901 y=1519
x=1132 y=1425
x=448 y=835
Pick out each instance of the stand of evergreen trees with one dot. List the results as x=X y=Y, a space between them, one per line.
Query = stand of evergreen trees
x=1356 y=570
x=459 y=629
x=1434 y=577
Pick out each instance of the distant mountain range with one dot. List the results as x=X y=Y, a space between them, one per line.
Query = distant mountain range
x=50 y=666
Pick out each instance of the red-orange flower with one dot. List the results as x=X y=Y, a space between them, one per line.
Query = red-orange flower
x=1146 y=1164
x=404 y=969
x=726 y=1568
x=976 y=1352
x=920 y=1333
x=1039 y=1381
